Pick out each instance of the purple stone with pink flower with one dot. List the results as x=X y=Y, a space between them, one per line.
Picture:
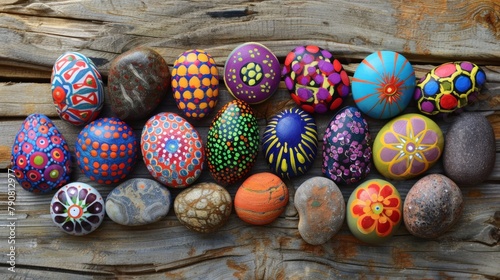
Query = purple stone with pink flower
x=346 y=147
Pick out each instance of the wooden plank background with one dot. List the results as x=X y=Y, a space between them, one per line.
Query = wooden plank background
x=34 y=33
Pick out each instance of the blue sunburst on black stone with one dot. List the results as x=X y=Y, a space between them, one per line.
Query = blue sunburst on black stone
x=290 y=142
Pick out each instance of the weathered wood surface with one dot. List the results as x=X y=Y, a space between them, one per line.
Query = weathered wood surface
x=35 y=33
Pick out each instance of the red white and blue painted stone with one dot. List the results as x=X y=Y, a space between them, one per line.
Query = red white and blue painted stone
x=317 y=82
x=449 y=87
x=252 y=73
x=77 y=88
x=77 y=209
x=347 y=152
x=40 y=155
x=383 y=84
x=172 y=150
x=290 y=142
x=106 y=150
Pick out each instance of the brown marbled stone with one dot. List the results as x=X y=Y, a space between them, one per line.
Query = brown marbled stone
x=138 y=81
x=432 y=206
x=321 y=210
x=204 y=207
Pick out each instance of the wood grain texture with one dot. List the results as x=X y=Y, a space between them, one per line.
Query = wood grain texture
x=428 y=33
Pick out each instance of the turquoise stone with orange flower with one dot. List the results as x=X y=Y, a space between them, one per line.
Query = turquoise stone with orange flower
x=374 y=211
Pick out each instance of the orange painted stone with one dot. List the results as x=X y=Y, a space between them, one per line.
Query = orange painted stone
x=261 y=199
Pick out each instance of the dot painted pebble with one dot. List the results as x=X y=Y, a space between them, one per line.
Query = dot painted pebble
x=469 y=150
x=449 y=87
x=317 y=82
x=346 y=147
x=374 y=211
x=204 y=207
x=77 y=88
x=290 y=142
x=40 y=155
x=407 y=146
x=232 y=143
x=138 y=81
x=321 y=210
x=172 y=150
x=137 y=202
x=195 y=83
x=383 y=84
x=261 y=199
x=106 y=150
x=252 y=73
x=432 y=206
x=77 y=209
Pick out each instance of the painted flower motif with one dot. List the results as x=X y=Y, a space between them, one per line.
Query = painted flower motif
x=376 y=209
x=409 y=147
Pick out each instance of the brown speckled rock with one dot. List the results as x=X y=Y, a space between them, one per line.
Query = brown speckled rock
x=469 y=149
x=204 y=207
x=321 y=210
x=432 y=206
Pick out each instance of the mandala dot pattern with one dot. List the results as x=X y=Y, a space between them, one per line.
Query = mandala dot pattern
x=77 y=88
x=232 y=143
x=195 y=83
x=172 y=150
x=449 y=87
x=77 y=209
x=317 y=82
x=40 y=155
x=106 y=150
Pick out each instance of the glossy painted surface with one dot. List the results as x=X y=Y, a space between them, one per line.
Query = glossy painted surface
x=232 y=143
x=172 y=150
x=77 y=209
x=383 y=84
x=317 y=82
x=290 y=142
x=195 y=83
x=407 y=146
x=347 y=149
x=252 y=73
x=374 y=211
x=40 y=155
x=77 y=88
x=449 y=87
x=106 y=150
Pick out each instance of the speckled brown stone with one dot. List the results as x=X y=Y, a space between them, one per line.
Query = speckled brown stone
x=432 y=206
x=321 y=210
x=469 y=149
x=204 y=207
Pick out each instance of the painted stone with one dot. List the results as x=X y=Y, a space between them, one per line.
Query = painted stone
x=77 y=88
x=374 y=211
x=204 y=207
x=40 y=155
x=448 y=87
x=317 y=82
x=347 y=152
x=432 y=206
x=106 y=150
x=407 y=146
x=321 y=210
x=261 y=199
x=137 y=202
x=383 y=84
x=252 y=73
x=138 y=81
x=172 y=150
x=232 y=142
x=195 y=83
x=290 y=142
x=77 y=209
x=469 y=149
